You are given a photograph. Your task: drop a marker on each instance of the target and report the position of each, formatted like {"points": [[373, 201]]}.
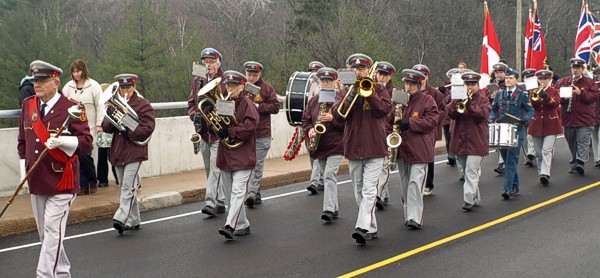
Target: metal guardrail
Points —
{"points": [[157, 106]]}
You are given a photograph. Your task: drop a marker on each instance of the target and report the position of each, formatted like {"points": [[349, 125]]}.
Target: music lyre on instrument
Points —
{"points": [[364, 87], [212, 93]]}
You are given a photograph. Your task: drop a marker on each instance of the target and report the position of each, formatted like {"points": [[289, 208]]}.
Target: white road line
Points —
{"points": [[183, 214]]}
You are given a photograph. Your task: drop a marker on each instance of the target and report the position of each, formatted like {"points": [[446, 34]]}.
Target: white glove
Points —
{"points": [[53, 142], [23, 171], [256, 104]]}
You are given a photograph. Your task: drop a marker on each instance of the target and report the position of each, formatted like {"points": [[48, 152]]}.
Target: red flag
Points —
{"points": [[528, 41], [490, 49], [538, 46]]}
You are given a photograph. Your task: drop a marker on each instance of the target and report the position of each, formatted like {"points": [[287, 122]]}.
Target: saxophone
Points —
{"points": [[394, 140], [313, 143]]}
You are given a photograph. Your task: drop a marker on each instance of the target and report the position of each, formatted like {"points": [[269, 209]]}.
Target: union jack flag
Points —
{"points": [[585, 31], [538, 46], [595, 40]]}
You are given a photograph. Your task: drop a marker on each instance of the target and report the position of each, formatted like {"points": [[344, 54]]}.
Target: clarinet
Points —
{"points": [[571, 99]]}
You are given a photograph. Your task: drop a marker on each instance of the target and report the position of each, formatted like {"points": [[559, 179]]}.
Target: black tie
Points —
{"points": [[43, 110]]}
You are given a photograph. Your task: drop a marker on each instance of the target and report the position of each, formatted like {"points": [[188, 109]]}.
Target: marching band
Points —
{"points": [[339, 112]]}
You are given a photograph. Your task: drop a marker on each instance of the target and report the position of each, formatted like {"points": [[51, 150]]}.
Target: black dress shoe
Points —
{"points": [[118, 226], [313, 189], [209, 210], [250, 200], [544, 180], [372, 236], [242, 232], [360, 235], [505, 195], [385, 201], [529, 161], [467, 207], [321, 187], [580, 170], [220, 209], [257, 199], [413, 224], [379, 204], [227, 232], [451, 161], [500, 170], [327, 216], [597, 164], [514, 192], [462, 178], [129, 228], [335, 214]]}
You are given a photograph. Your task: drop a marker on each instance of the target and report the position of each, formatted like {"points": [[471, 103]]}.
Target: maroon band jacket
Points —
{"points": [[330, 141], [471, 128], [546, 120], [364, 128], [197, 84], [583, 106], [440, 102], [418, 141], [122, 149], [47, 175], [244, 157], [267, 105]]}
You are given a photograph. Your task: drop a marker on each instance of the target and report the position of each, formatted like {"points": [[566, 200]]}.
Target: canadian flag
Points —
{"points": [[490, 49]]}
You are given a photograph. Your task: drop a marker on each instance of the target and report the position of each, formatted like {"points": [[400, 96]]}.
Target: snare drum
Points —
{"points": [[502, 135], [301, 86]]}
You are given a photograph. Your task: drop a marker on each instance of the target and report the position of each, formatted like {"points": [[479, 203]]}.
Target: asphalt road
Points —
{"points": [[290, 240]]}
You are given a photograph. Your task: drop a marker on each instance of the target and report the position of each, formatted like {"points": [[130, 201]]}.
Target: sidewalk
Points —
{"points": [[157, 192]]}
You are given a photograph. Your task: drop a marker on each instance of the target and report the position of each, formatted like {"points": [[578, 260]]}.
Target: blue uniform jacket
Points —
{"points": [[516, 104]]}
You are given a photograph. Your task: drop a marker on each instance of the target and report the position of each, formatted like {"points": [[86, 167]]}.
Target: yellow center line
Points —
{"points": [[467, 232]]}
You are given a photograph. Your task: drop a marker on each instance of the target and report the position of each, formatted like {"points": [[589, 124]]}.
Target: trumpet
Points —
{"points": [[535, 96], [364, 86], [212, 94], [461, 106], [319, 127], [394, 140]]}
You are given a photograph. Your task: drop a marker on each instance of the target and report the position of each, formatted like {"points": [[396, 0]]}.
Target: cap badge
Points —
{"points": [[230, 77], [357, 62], [327, 73], [384, 67]]}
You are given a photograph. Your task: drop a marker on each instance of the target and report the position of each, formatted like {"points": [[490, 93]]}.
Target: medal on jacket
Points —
{"points": [[34, 117], [366, 105], [258, 98]]}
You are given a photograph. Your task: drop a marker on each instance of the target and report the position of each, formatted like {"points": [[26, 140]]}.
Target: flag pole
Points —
{"points": [[519, 34]]}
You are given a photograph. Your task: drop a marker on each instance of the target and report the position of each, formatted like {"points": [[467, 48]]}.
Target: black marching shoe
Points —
{"points": [[118, 226], [372, 236], [360, 235], [129, 228], [544, 180], [220, 208], [451, 161], [209, 210], [379, 204], [385, 201], [250, 200], [242, 232], [500, 170], [580, 170], [257, 199], [335, 214], [327, 216], [597, 164], [514, 192], [227, 232], [467, 207], [313, 189], [505, 195], [413, 224], [321, 187], [529, 160]]}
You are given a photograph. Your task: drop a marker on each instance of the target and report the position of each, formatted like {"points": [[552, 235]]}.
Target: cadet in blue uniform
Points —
{"points": [[514, 101]]}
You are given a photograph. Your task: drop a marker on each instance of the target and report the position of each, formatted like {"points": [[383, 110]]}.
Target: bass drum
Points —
{"points": [[301, 86]]}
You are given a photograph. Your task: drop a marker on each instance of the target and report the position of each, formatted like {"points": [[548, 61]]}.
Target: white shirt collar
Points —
{"points": [[50, 103]]}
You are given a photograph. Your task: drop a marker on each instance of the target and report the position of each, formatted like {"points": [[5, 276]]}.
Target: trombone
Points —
{"points": [[461, 106], [364, 86]]}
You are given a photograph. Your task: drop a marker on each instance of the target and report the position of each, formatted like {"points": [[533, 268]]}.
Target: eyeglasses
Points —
{"points": [[209, 61]]}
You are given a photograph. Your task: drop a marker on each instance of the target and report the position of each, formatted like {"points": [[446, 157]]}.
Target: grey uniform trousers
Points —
{"points": [[316, 176], [262, 148], [472, 167], [331, 165], [128, 212], [214, 195], [51, 213], [544, 150], [595, 143], [579, 140], [236, 185], [412, 183], [365, 178], [384, 178]]}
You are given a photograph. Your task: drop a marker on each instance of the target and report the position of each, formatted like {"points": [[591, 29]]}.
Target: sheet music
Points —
{"points": [[327, 95], [400, 96], [459, 92], [566, 92], [531, 83]]}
